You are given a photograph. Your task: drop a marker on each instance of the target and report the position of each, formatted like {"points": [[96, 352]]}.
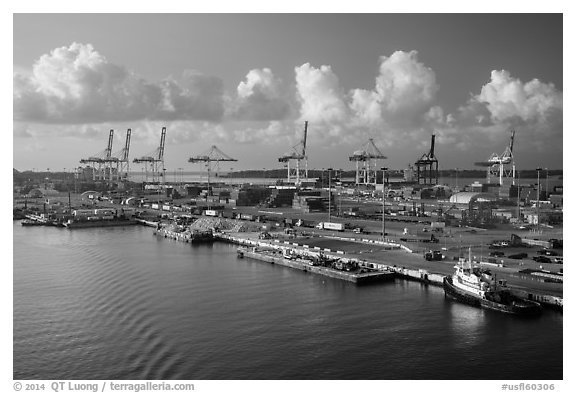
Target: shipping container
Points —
{"points": [[211, 213], [104, 212], [333, 226], [83, 212]]}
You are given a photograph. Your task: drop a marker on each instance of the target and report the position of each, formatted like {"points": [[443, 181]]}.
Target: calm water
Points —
{"points": [[121, 304]]}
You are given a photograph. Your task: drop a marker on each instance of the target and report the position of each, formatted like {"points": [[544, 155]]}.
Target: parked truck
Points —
{"points": [[433, 255], [333, 226]]}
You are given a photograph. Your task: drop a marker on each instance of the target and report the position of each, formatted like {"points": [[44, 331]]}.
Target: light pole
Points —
{"points": [[329, 195], [75, 180], [384, 169], [538, 202], [519, 190], [546, 183], [457, 180]]}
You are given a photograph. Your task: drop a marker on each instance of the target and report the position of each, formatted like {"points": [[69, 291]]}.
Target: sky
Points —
{"points": [[247, 83]]}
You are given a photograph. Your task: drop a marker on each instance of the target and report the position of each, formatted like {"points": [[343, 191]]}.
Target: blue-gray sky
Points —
{"points": [[246, 82]]}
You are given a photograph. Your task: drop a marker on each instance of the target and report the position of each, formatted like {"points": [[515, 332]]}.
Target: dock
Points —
{"points": [[388, 272], [184, 236]]}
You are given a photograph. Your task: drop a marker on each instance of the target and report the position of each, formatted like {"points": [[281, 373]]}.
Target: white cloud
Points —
{"points": [[404, 92], [75, 91], [76, 84], [193, 97], [258, 81], [507, 98], [260, 98], [320, 95]]}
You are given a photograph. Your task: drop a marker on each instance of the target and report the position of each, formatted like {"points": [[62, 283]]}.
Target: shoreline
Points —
{"points": [[424, 276]]}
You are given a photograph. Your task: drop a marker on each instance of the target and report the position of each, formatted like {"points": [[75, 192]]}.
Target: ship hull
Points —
{"points": [[515, 306], [98, 224], [457, 294]]}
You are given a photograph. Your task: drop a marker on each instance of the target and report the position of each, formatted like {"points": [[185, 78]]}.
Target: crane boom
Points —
{"points": [[127, 145], [109, 148], [512, 140], [162, 140], [305, 137]]}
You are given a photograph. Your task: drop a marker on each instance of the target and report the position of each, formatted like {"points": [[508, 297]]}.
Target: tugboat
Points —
{"points": [[478, 288]]}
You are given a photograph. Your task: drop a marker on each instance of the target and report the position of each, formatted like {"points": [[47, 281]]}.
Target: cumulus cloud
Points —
{"points": [[507, 98], [75, 91], [402, 100], [404, 92], [194, 97], [320, 95], [76, 84], [260, 98], [533, 108]]}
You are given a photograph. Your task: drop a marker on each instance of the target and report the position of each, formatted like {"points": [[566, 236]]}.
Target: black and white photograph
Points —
{"points": [[287, 196]]}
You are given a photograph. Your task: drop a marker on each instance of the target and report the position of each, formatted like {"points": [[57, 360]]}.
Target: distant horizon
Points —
{"points": [[172, 171]]}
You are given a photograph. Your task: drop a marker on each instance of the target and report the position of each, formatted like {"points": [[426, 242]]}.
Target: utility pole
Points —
{"points": [[538, 202], [457, 190], [384, 169], [329, 195], [519, 190], [546, 183]]}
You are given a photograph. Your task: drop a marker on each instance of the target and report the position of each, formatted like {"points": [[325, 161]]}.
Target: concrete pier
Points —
{"points": [[424, 276]]}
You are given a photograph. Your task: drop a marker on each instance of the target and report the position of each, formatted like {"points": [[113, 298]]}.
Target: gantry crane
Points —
{"points": [[212, 155], [367, 163], [100, 162], [427, 166], [154, 161], [298, 154], [501, 166], [121, 159]]}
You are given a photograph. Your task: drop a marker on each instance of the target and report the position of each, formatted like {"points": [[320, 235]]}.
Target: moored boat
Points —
{"points": [[83, 223], [29, 222], [480, 289]]}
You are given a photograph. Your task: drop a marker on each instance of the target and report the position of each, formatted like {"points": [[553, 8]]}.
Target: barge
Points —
{"points": [[79, 223], [357, 276]]}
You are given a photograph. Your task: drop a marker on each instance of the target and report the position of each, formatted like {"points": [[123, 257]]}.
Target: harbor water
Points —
{"points": [[119, 303]]}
